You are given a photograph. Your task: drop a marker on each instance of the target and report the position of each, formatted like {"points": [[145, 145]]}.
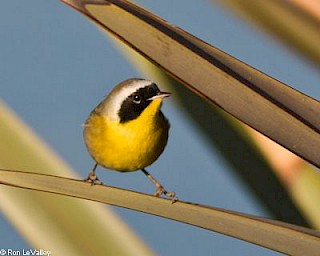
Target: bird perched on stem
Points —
{"points": [[127, 130]]}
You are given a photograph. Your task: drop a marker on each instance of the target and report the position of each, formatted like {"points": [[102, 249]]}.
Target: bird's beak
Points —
{"points": [[160, 95]]}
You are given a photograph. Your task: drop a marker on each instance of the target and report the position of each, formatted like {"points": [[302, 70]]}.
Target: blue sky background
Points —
{"points": [[56, 66]]}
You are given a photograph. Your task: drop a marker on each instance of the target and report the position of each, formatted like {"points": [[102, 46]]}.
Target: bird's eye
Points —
{"points": [[137, 99]]}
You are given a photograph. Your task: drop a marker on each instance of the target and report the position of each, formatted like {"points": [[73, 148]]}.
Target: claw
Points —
{"points": [[92, 177], [161, 191]]}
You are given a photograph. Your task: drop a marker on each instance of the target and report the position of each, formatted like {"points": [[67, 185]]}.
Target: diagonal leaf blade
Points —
{"points": [[274, 109]]}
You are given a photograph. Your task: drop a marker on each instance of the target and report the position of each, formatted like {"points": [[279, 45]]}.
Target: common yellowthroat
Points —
{"points": [[127, 130]]}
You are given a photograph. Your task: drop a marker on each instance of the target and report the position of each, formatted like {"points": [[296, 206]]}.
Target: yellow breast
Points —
{"points": [[127, 146]]}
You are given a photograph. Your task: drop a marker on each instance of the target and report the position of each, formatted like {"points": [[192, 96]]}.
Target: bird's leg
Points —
{"points": [[92, 177], [160, 189]]}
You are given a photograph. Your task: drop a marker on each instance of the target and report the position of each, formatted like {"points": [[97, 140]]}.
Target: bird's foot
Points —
{"points": [[161, 191], [93, 179]]}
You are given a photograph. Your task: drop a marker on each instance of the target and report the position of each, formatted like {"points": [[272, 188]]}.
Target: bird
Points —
{"points": [[127, 130]]}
